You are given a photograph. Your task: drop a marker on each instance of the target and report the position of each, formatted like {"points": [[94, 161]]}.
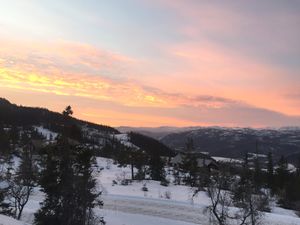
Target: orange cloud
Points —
{"points": [[77, 85], [54, 69], [67, 68], [207, 85]]}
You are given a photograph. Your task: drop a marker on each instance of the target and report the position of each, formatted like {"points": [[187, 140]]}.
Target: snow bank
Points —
{"points": [[5, 220]]}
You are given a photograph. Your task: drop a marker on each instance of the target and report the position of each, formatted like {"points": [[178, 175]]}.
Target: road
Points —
{"points": [[155, 207]]}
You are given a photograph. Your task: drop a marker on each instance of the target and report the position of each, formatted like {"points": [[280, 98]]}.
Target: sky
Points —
{"points": [[155, 62]]}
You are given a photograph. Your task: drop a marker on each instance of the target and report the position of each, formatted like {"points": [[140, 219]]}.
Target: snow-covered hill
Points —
{"points": [[160, 205]]}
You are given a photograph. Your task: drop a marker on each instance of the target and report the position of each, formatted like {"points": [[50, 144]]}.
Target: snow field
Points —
{"points": [[129, 205]]}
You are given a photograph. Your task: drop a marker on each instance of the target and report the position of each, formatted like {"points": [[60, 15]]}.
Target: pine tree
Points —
{"points": [[4, 143], [156, 167], [69, 186], [49, 181], [282, 173], [246, 160], [86, 187], [24, 138], [189, 164], [245, 179], [270, 171], [68, 111], [257, 170], [176, 174], [245, 172], [14, 135]]}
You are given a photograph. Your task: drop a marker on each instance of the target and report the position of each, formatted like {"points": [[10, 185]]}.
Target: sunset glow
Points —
{"points": [[155, 62]]}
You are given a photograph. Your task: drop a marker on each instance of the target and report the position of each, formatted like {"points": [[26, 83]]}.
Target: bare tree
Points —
{"points": [[22, 182], [251, 205], [220, 199], [19, 195], [245, 210]]}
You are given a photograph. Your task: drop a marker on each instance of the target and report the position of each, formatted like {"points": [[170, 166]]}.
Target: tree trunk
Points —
{"points": [[132, 174]]}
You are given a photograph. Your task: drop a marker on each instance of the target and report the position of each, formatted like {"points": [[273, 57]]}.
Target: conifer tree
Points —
{"points": [[69, 187], [4, 143], [270, 171], [68, 184], [282, 173], [189, 164], [68, 111], [257, 176], [156, 167]]}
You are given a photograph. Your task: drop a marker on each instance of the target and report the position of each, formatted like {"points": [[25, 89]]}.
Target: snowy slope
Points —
{"points": [[181, 206], [45, 132], [129, 205], [125, 140], [5, 220]]}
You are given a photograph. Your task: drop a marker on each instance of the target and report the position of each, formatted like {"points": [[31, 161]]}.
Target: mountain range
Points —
{"points": [[217, 141], [229, 142]]}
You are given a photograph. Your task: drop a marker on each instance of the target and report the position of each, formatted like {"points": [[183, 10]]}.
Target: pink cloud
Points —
{"points": [[217, 84]]}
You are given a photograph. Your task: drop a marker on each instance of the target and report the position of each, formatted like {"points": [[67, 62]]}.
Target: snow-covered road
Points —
{"points": [[177, 211], [157, 208], [130, 210]]}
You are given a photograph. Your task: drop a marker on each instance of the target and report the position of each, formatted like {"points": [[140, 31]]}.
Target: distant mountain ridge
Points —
{"points": [[218, 141], [236, 142], [155, 132], [13, 114], [228, 142]]}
